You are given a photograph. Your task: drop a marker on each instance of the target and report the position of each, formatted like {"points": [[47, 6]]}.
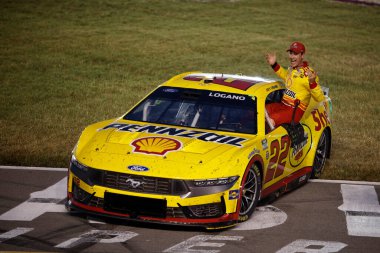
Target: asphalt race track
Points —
{"points": [[322, 216]]}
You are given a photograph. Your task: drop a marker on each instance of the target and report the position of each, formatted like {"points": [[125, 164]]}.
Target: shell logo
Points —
{"points": [[155, 145]]}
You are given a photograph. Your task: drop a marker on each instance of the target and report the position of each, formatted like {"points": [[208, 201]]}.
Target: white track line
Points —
{"points": [[343, 182], [311, 180], [31, 168]]}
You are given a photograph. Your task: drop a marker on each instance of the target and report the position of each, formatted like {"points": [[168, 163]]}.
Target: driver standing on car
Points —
{"points": [[301, 83]]}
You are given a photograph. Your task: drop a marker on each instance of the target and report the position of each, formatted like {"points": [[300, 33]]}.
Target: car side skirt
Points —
{"points": [[290, 182]]}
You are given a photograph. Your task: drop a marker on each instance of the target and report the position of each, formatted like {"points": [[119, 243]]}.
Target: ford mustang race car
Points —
{"points": [[198, 151]]}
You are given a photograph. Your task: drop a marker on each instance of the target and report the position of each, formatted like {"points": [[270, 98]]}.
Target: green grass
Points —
{"points": [[66, 64]]}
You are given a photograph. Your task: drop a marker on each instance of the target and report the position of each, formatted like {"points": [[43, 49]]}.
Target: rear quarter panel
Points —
{"points": [[318, 117]]}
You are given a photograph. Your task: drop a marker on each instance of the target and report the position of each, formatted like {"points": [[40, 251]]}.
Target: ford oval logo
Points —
{"points": [[137, 168]]}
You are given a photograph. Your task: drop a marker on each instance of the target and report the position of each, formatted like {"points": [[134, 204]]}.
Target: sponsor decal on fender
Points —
{"points": [[265, 144], [233, 194], [255, 151], [76, 180], [155, 145]]}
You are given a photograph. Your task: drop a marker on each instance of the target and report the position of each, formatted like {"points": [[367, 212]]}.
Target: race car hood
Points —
{"points": [[161, 151]]}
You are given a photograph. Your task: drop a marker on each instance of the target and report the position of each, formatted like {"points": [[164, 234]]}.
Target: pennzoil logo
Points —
{"points": [[180, 132], [155, 145]]}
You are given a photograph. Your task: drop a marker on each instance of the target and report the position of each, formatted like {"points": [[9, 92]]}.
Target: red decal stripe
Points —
{"points": [[237, 84], [285, 181], [193, 78], [224, 218]]}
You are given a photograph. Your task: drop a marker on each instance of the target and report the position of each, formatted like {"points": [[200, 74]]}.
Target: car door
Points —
{"points": [[278, 148], [279, 165], [283, 158]]}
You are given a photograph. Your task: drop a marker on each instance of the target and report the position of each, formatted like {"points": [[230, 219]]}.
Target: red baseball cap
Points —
{"points": [[297, 47]]}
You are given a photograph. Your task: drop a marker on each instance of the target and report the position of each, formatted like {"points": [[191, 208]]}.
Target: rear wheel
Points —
{"points": [[251, 187], [320, 155]]}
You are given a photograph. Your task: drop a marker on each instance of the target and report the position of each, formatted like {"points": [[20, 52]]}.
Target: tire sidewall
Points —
{"points": [[317, 172], [257, 173]]}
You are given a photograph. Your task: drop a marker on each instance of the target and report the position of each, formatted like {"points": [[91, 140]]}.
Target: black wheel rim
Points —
{"points": [[320, 155], [249, 192]]}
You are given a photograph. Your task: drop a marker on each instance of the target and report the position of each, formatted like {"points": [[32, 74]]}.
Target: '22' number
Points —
{"points": [[279, 152]]}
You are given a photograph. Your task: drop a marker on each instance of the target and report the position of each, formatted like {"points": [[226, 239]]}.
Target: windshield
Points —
{"points": [[198, 109]]}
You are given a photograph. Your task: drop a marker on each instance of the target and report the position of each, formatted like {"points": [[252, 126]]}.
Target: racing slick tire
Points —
{"points": [[250, 192], [320, 155]]}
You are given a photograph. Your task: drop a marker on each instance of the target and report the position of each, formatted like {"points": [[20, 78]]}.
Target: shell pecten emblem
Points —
{"points": [[155, 145]]}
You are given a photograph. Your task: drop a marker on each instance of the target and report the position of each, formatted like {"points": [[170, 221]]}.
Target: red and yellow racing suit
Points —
{"points": [[298, 91]]}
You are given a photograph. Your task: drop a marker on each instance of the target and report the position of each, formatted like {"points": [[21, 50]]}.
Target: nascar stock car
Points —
{"points": [[198, 150]]}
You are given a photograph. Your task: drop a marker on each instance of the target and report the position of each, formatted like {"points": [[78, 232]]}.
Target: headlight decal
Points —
{"points": [[233, 194], [209, 186], [84, 173], [215, 182]]}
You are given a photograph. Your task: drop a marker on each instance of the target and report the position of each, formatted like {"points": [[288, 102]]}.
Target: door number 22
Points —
{"points": [[278, 153]]}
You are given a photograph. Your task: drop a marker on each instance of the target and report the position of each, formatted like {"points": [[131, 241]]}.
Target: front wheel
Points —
{"points": [[320, 155], [250, 193]]}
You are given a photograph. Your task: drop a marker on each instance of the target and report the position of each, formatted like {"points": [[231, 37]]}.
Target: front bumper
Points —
{"points": [[211, 211]]}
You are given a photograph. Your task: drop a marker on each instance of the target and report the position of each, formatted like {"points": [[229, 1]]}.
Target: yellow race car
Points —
{"points": [[198, 151]]}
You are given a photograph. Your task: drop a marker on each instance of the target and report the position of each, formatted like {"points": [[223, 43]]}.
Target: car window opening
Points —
{"points": [[198, 109]]}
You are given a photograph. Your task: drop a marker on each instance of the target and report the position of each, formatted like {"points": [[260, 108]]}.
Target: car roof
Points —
{"points": [[249, 85]]}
